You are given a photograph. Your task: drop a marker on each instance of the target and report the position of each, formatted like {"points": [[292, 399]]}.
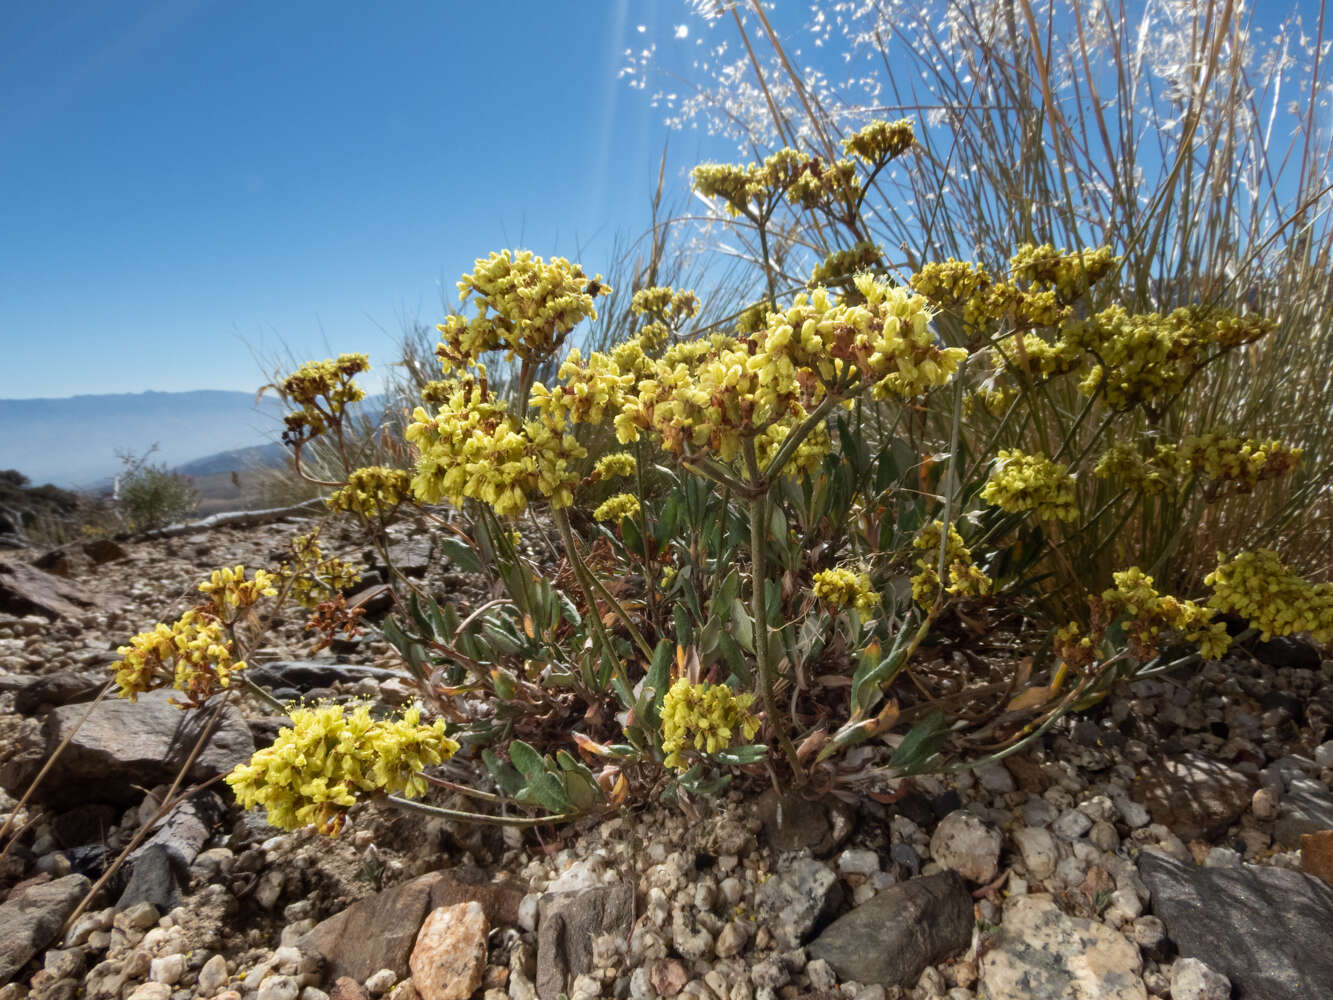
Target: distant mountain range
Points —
{"points": [[73, 442]]}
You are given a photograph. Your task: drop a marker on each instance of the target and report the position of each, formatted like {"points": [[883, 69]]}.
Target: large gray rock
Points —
{"points": [[892, 937], [962, 843], [127, 746], [306, 674], [159, 868], [1193, 796], [27, 590], [1040, 952], [798, 900], [1268, 930], [64, 687], [568, 922], [30, 922], [1307, 807]]}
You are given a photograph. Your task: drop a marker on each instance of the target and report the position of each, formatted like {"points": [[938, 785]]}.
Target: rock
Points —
{"points": [[303, 675], [1317, 855], [279, 988], [568, 923], [1040, 952], [964, 844], [125, 746], [159, 869], [668, 976], [793, 823], [347, 988], [1039, 851], [65, 687], [1268, 930], [212, 977], [892, 937], [797, 901], [1287, 651], [381, 982], [1071, 824], [1192, 980], [449, 957], [1195, 797], [161, 991], [31, 920], [378, 932], [27, 590], [167, 969], [1307, 807]]}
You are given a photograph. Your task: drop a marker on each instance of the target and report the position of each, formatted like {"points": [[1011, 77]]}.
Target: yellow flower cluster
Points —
{"points": [[843, 588], [474, 448], [805, 180], [667, 310], [193, 655], [1241, 462], [1044, 282], [1148, 357], [615, 466], [1070, 273], [880, 141], [317, 767], [617, 508], [315, 579], [588, 390], [525, 306], [965, 578], [372, 491], [230, 591], [1033, 355], [1257, 586], [1073, 647], [704, 717], [1022, 482], [713, 394], [322, 390], [840, 265], [1148, 474], [994, 399], [1148, 614]]}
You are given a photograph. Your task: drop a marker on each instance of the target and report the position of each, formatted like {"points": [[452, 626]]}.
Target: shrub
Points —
{"points": [[150, 497]]}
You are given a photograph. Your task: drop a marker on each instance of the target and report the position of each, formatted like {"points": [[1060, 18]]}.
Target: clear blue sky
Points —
{"points": [[181, 178]]}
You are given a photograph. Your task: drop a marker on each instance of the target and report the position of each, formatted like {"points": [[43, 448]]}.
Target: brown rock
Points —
{"points": [[1194, 797], [1317, 855], [1030, 775], [378, 932], [26, 590], [347, 988], [449, 958], [669, 976]]}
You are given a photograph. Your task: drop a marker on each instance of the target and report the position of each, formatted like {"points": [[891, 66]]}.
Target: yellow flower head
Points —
{"points": [[704, 717], [525, 305], [1022, 482], [844, 588], [322, 390], [319, 766], [618, 507], [193, 654], [372, 491], [965, 579], [1258, 586], [230, 591]]}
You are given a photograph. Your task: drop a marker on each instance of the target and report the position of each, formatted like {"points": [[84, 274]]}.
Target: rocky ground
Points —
{"points": [[1176, 843]]}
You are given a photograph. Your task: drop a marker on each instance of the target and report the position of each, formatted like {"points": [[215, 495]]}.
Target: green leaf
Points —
{"points": [[460, 554], [921, 743], [526, 759], [740, 756], [549, 792], [582, 790], [629, 531], [505, 774], [742, 625]]}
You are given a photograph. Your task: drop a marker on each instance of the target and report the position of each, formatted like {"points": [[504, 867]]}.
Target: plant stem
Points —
{"points": [[759, 607]]}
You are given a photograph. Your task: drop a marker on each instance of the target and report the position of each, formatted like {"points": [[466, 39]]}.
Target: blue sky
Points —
{"points": [[183, 181]]}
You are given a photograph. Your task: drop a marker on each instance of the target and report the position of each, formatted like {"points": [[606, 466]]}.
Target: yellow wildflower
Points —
{"points": [[704, 717]]}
